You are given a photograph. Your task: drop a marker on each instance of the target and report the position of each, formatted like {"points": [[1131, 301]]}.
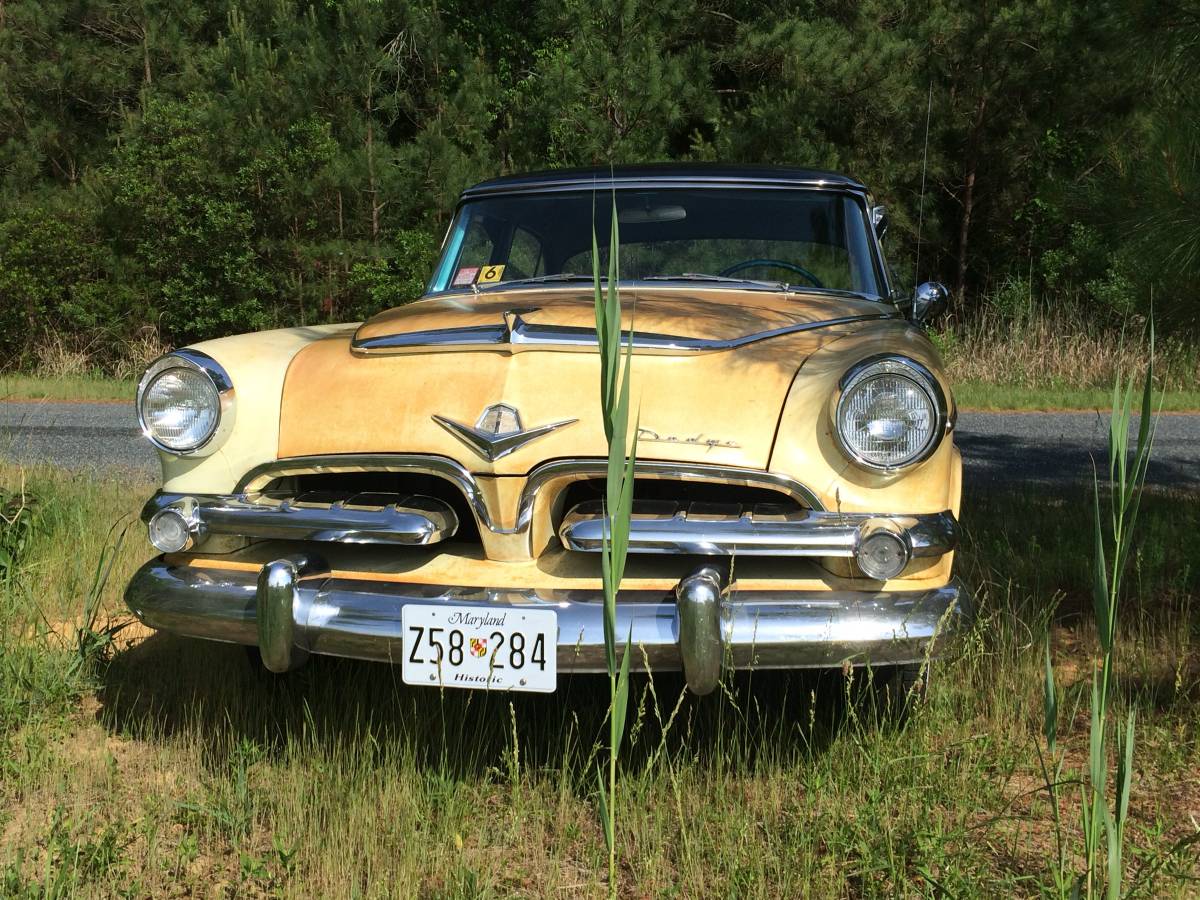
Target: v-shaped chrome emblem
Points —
{"points": [[498, 432]]}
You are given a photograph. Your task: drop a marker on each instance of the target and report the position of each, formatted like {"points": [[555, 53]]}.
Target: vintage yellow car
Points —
{"points": [[425, 488]]}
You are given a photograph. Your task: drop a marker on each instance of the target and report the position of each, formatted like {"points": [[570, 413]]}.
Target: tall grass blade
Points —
{"points": [[1116, 823], [1100, 596], [621, 699], [606, 819], [1126, 479], [1049, 702], [618, 504]]}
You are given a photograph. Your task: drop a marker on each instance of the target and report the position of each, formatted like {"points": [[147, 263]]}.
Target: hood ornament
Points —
{"points": [[498, 432]]}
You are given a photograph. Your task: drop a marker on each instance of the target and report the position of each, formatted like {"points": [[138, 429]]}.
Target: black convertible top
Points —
{"points": [[660, 175]]}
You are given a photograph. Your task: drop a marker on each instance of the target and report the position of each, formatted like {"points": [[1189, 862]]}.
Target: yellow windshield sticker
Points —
{"points": [[490, 274]]}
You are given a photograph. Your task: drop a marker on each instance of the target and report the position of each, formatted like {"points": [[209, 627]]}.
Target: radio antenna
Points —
{"points": [[921, 202]]}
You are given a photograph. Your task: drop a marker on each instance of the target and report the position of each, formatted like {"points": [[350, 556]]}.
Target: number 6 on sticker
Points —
{"points": [[490, 274]]}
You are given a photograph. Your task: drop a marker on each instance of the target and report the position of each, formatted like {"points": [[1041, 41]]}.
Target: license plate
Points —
{"points": [[485, 649]]}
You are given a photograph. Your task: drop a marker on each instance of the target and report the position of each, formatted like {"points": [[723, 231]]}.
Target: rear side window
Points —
{"points": [[525, 256]]}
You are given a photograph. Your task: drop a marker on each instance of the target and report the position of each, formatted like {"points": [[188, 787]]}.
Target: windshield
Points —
{"points": [[803, 238]]}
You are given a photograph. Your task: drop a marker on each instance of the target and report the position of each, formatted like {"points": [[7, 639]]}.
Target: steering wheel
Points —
{"points": [[771, 263]]}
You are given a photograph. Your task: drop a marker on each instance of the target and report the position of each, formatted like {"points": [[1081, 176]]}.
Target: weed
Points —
{"points": [[342, 782], [618, 506], [16, 529], [93, 641]]}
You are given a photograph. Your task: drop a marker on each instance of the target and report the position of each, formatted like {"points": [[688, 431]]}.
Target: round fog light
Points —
{"points": [[169, 531], [882, 555]]}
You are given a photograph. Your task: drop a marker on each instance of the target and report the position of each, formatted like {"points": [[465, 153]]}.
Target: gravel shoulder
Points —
{"points": [[76, 435]]}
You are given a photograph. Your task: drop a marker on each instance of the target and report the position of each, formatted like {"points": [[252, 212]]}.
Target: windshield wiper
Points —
{"points": [[539, 279], [725, 279], [685, 276]]}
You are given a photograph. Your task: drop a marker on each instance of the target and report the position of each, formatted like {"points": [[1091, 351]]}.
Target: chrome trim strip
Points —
{"points": [[410, 521], [760, 629], [800, 534], [580, 469], [442, 467], [681, 179], [516, 334], [206, 365]]}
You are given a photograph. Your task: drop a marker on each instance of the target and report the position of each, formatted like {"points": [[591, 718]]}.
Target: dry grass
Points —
{"points": [[59, 357], [85, 367], [96, 354], [1060, 349], [137, 353]]}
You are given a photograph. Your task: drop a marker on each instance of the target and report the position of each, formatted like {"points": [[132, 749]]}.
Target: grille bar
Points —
{"points": [[361, 518], [760, 530]]}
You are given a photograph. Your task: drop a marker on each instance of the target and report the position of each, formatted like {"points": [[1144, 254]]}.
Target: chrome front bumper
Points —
{"points": [[293, 607]]}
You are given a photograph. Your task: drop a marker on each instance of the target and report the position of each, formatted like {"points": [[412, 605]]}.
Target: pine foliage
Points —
{"points": [[215, 167]]}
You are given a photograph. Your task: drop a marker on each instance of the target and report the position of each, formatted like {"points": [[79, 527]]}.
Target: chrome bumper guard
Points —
{"points": [[293, 607]]}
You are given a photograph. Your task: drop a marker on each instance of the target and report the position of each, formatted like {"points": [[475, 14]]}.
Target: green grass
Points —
{"points": [[176, 768], [980, 395], [75, 387]]}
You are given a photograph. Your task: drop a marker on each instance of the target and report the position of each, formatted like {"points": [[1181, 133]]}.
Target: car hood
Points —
{"points": [[712, 369]]}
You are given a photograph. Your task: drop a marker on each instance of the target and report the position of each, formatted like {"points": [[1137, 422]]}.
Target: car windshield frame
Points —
{"points": [[872, 262]]}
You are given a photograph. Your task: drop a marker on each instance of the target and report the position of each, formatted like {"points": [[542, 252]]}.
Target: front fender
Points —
{"points": [[256, 364], [807, 448]]}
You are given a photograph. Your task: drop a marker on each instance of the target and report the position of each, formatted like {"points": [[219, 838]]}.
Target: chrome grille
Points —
{"points": [[357, 518]]}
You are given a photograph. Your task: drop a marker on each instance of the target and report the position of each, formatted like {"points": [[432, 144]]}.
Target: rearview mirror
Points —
{"points": [[637, 215], [929, 301], [879, 221]]}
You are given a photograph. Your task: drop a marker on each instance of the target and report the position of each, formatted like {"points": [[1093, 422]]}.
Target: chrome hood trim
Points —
{"points": [[515, 334]]}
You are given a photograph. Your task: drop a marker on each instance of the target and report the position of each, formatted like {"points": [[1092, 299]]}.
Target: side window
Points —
{"points": [[524, 256]]}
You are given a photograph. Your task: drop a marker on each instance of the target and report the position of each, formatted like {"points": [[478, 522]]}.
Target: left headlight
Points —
{"points": [[890, 413], [185, 403]]}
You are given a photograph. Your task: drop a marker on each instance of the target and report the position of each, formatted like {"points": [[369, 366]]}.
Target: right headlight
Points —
{"points": [[185, 402], [891, 413]]}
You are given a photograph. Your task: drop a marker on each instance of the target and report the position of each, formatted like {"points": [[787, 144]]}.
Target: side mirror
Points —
{"points": [[879, 221], [929, 301]]}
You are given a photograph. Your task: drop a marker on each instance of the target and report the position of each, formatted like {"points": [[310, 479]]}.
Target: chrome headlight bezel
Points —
{"points": [[202, 363], [917, 374]]}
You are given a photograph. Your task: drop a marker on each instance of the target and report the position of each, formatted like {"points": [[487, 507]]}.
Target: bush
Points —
{"points": [[380, 282], [191, 231], [53, 275]]}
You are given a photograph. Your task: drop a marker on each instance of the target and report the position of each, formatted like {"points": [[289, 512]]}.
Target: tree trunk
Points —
{"points": [[968, 201], [146, 55], [372, 188], [964, 228]]}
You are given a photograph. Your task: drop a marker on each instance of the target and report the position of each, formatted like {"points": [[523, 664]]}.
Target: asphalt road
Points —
{"points": [[997, 447]]}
